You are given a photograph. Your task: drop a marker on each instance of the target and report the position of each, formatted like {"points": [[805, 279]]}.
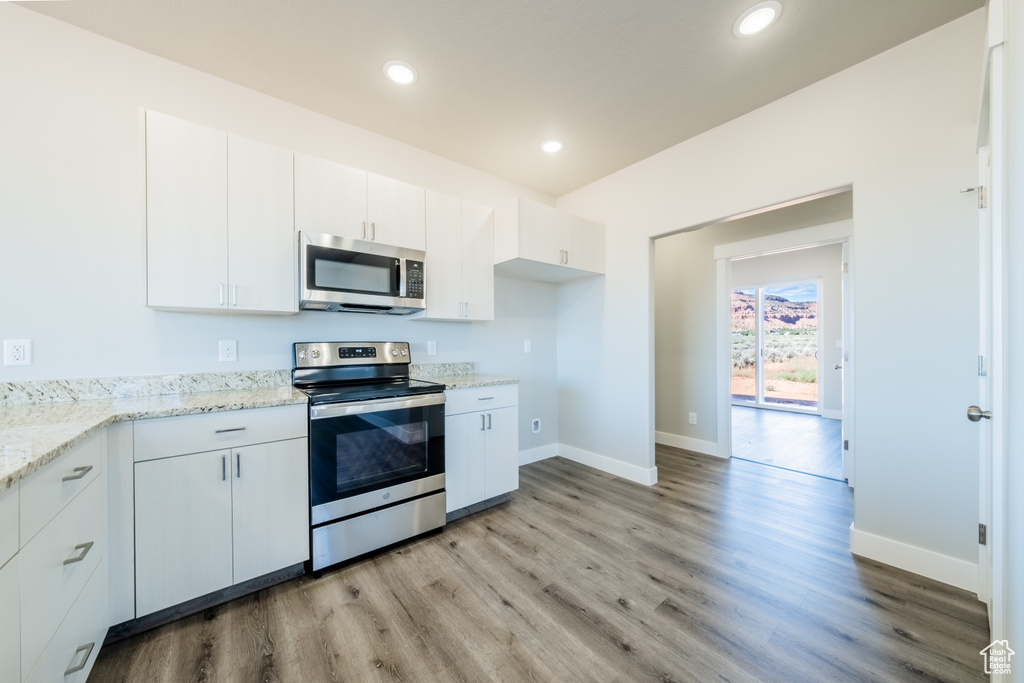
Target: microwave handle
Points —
{"points": [[377, 406]]}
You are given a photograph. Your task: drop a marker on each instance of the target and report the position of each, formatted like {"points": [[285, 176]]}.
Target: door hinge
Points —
{"points": [[981, 366], [846, 267], [846, 444], [982, 535], [982, 199]]}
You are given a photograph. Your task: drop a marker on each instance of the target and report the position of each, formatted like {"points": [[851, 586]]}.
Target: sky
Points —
{"points": [[801, 291]]}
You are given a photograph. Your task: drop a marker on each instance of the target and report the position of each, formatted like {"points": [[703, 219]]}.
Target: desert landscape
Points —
{"points": [[790, 349]]}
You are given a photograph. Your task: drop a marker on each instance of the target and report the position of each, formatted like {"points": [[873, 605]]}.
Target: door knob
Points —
{"points": [[974, 414]]}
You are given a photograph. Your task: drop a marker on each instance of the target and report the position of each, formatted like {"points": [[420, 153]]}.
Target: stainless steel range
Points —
{"points": [[376, 447]]}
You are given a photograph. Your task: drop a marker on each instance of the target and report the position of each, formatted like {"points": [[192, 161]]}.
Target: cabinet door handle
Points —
{"points": [[238, 465], [488, 420], [467, 309], [566, 257], [483, 422], [74, 668], [80, 472], [82, 549], [364, 230], [373, 232], [223, 468], [220, 293], [234, 295]]}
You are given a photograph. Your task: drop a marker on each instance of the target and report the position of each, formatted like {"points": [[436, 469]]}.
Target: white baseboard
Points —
{"points": [[959, 573], [548, 450], [832, 414], [687, 443], [647, 476]]}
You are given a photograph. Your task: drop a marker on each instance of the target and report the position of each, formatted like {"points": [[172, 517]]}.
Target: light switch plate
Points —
{"points": [[527, 346], [431, 348]]}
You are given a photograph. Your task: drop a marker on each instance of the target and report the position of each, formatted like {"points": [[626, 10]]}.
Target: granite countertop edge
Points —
{"points": [[34, 435], [471, 381]]}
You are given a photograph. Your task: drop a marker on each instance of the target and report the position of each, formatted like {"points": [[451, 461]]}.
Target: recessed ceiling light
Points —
{"points": [[400, 72], [757, 18], [552, 146]]}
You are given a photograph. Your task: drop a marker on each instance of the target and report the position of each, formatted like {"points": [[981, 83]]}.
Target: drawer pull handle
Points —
{"points": [[75, 668], [85, 548], [80, 472], [233, 429], [486, 398]]}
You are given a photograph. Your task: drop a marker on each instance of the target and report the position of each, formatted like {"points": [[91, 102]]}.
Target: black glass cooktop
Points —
{"points": [[367, 391]]}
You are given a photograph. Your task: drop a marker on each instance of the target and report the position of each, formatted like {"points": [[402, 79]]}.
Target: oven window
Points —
{"points": [[352, 454], [353, 276]]}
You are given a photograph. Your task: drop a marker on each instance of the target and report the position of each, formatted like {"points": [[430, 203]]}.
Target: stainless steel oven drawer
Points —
{"points": [[352, 537]]}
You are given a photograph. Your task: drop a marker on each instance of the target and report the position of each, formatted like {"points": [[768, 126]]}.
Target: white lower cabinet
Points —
{"points": [[481, 444], [10, 622], [206, 521]]}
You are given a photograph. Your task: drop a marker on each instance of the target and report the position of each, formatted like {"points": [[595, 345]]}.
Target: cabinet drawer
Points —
{"points": [[71, 653], [8, 524], [49, 490], [52, 576], [168, 436], [480, 398]]}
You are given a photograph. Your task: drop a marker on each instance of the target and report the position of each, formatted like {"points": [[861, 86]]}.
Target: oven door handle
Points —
{"points": [[375, 406]]}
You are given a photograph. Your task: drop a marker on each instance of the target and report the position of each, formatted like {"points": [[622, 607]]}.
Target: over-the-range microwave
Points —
{"points": [[342, 274]]}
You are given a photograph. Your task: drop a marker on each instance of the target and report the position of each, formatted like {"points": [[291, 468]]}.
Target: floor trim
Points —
{"points": [[648, 476], [687, 443], [548, 450], [944, 568]]}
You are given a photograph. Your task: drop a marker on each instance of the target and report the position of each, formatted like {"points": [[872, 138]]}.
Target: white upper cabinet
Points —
{"points": [[538, 242], [330, 198], [340, 200], [460, 255], [261, 236], [395, 211], [186, 214], [219, 221]]}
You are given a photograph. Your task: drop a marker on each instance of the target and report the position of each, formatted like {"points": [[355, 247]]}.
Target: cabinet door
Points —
{"points": [[10, 622], [543, 233], [464, 453], [330, 198], [444, 256], [586, 245], [270, 503], [396, 212], [186, 214], [182, 529], [478, 261], [261, 228], [502, 469]]}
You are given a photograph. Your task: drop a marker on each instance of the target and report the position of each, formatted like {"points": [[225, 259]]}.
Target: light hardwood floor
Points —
{"points": [[793, 441], [725, 570]]}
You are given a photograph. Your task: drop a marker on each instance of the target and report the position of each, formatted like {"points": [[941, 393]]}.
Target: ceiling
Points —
{"points": [[616, 80]]}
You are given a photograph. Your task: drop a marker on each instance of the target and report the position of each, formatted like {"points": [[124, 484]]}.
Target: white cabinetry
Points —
{"points": [[10, 599], [219, 220], [481, 444], [235, 510], [340, 200], [460, 256], [538, 242]]}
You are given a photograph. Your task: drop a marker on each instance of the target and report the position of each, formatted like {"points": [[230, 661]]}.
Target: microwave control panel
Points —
{"points": [[414, 279]]}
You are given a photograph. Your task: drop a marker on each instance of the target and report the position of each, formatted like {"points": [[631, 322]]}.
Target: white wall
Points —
{"points": [[824, 263], [900, 129], [685, 316], [72, 223]]}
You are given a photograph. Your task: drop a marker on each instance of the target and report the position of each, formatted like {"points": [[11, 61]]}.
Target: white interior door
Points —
{"points": [[846, 371]]}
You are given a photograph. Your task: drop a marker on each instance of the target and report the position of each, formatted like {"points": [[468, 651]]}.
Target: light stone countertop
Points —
{"points": [[457, 375], [34, 434]]}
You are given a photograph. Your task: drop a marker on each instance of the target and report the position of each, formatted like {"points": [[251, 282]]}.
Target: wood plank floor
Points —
{"points": [[725, 570], [792, 441]]}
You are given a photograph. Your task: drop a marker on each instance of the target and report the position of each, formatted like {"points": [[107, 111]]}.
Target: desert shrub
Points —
{"points": [[802, 375]]}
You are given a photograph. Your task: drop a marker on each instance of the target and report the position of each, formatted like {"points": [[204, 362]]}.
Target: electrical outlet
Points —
{"points": [[527, 346], [535, 425], [17, 352], [693, 418], [228, 351], [431, 348]]}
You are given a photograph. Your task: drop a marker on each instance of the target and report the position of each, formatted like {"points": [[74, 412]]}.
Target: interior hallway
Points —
{"points": [[793, 441]]}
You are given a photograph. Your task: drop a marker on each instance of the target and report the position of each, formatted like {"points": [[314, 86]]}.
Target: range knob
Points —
{"points": [[405, 352], [394, 352], [314, 354], [302, 354]]}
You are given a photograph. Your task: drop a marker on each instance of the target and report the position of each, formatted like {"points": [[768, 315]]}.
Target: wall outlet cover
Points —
{"points": [[535, 425], [17, 352], [228, 351], [693, 418], [431, 348]]}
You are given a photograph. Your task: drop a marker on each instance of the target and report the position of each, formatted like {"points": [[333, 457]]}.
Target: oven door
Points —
{"points": [[367, 454]]}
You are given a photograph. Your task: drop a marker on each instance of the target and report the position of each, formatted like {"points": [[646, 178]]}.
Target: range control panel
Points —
{"points": [[329, 354]]}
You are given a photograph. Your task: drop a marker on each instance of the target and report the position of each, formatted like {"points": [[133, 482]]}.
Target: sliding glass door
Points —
{"points": [[776, 346]]}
